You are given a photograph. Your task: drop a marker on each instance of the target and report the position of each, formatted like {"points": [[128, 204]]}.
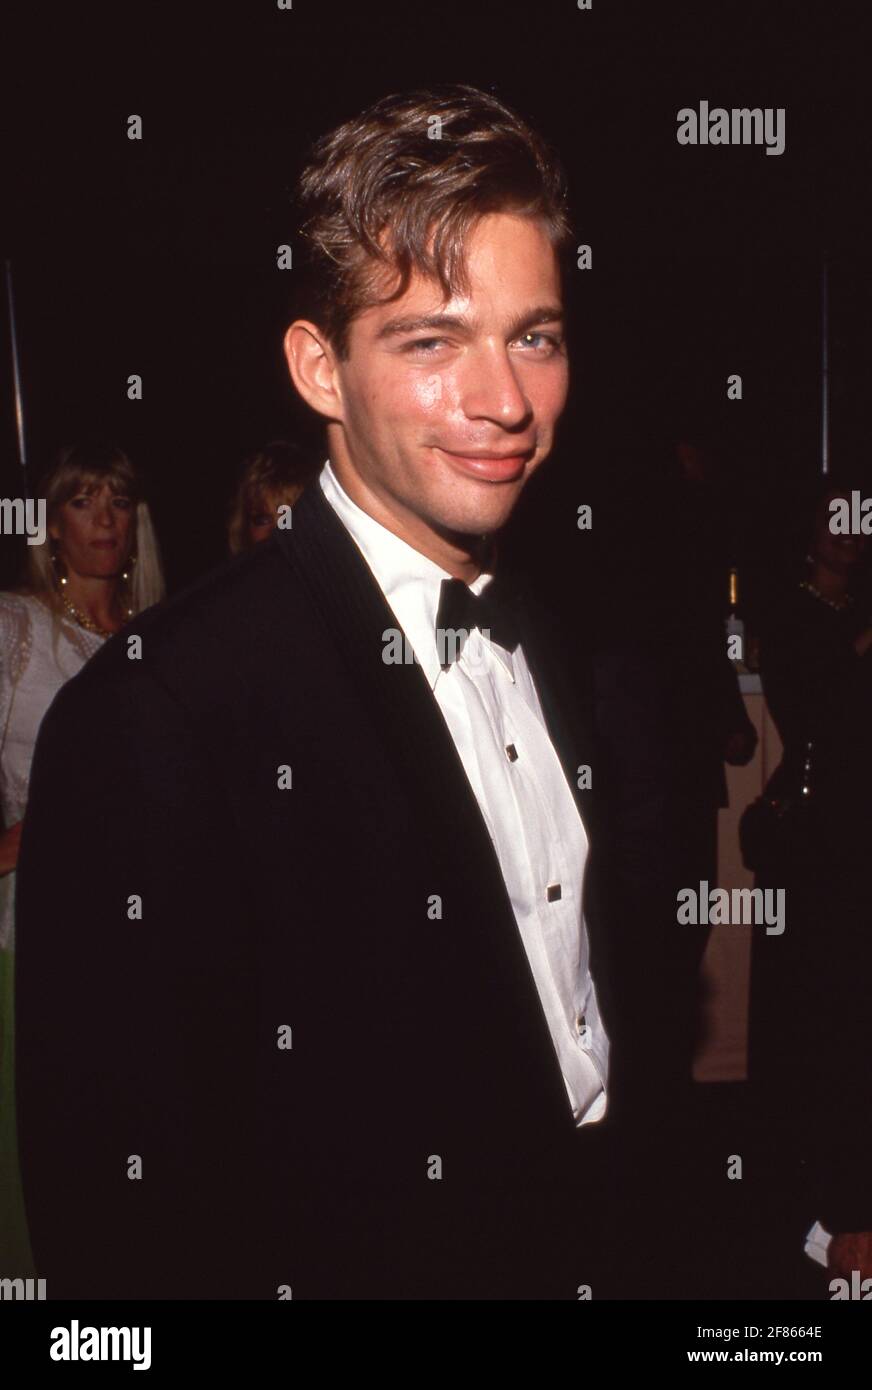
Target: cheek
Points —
{"points": [[427, 393], [548, 391], [74, 533], [419, 396], [436, 398], [413, 396], [387, 404]]}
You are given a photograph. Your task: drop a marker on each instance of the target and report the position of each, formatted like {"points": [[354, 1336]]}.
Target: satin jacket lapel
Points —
{"points": [[397, 696]]}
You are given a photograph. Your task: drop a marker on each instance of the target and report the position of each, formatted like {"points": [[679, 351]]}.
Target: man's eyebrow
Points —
{"points": [[542, 313]]}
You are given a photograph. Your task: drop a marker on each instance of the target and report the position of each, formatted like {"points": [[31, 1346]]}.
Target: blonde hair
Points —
{"points": [[78, 469], [272, 476]]}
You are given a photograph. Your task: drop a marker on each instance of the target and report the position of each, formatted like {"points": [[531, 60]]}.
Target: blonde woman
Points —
{"points": [[98, 567], [268, 479]]}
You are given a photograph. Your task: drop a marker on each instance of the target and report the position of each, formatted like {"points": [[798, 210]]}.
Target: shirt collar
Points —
{"points": [[409, 580]]}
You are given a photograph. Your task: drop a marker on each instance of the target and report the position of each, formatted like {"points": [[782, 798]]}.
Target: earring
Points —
{"points": [[60, 579], [127, 578]]}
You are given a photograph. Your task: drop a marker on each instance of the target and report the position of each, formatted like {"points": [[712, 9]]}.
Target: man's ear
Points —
{"points": [[311, 363]]}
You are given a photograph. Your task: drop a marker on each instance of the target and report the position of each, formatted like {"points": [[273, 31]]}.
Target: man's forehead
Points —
{"points": [[506, 283]]}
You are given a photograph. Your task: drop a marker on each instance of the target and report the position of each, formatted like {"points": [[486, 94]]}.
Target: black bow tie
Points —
{"points": [[493, 612]]}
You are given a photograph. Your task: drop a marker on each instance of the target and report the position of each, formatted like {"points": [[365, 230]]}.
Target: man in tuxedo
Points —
{"points": [[309, 1004]]}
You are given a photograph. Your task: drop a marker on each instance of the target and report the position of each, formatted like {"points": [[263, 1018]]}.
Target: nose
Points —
{"points": [[105, 513], [491, 389]]}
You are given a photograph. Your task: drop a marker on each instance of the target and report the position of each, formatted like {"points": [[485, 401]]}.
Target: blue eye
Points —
{"points": [[548, 339]]}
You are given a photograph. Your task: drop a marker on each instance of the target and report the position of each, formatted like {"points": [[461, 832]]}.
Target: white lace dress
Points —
{"points": [[32, 671]]}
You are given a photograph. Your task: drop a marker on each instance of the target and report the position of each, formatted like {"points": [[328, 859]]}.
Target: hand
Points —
{"points": [[739, 748], [848, 1251], [9, 842]]}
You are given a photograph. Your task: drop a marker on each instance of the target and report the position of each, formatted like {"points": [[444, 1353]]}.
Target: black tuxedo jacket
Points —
{"points": [[286, 1037]]}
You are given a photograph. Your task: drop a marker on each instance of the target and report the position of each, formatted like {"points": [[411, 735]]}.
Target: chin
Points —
{"points": [[476, 527], [484, 508]]}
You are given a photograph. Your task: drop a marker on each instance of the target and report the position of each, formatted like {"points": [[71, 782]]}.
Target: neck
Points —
{"points": [[98, 600], [828, 582], [463, 556]]}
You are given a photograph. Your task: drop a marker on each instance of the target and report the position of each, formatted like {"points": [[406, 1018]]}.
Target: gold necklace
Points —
{"points": [[838, 604], [82, 619]]}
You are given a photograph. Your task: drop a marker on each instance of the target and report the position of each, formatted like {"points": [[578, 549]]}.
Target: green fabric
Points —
{"points": [[16, 1260]]}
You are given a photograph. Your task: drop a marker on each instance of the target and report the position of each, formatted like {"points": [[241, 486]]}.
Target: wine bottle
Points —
{"points": [[735, 625]]}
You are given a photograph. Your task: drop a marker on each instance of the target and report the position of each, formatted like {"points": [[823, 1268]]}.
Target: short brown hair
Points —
{"points": [[381, 192]]}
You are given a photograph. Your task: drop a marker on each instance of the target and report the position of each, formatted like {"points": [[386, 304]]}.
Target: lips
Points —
{"points": [[491, 468], [104, 545]]}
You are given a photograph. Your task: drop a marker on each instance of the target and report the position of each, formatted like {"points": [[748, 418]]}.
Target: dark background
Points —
{"points": [[158, 257]]}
